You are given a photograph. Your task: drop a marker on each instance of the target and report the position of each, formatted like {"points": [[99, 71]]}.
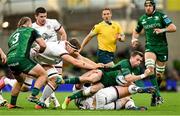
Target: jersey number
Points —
{"points": [[16, 38]]}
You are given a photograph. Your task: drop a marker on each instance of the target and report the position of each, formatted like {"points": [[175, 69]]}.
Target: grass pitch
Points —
{"points": [[170, 107]]}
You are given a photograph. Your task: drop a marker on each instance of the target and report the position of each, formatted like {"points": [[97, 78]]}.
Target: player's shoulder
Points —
{"points": [[161, 14], [142, 17], [35, 25], [99, 24], [29, 29], [51, 20], [124, 62], [115, 22]]}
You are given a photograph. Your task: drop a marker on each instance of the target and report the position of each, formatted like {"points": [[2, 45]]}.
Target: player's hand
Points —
{"points": [[33, 52], [134, 43], [148, 72], [120, 37], [3, 58], [100, 65], [158, 31]]}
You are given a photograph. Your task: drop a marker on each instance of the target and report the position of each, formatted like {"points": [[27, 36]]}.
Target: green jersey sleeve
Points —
{"points": [[165, 19], [139, 26]]}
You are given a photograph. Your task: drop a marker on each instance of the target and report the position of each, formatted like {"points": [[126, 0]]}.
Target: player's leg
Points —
{"points": [[2, 82], [54, 100], [15, 91], [89, 77], [150, 59], [27, 84], [133, 89], [82, 93], [107, 99], [10, 82], [51, 86], [160, 69], [130, 105], [3, 102], [38, 72]]}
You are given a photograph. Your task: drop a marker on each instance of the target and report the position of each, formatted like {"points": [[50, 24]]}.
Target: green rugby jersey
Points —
{"points": [[117, 74], [149, 23], [126, 68], [20, 42]]}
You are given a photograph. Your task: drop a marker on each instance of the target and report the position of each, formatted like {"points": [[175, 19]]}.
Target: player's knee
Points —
{"points": [[99, 73], [88, 91], [129, 103], [150, 64], [25, 88], [160, 71]]}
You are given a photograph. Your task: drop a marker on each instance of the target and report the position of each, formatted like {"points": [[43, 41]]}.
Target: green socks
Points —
{"points": [[13, 100], [74, 80], [35, 91], [76, 95], [154, 82]]}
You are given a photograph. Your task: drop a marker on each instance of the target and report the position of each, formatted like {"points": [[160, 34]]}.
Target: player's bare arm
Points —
{"points": [[86, 40], [62, 34], [134, 40], [42, 44], [132, 78], [3, 56], [79, 63], [170, 28]]}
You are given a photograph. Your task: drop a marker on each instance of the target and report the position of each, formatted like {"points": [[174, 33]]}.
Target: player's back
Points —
{"points": [[20, 42]]}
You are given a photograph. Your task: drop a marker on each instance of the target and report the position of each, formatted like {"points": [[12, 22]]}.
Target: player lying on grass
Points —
{"points": [[53, 54], [123, 73], [107, 99]]}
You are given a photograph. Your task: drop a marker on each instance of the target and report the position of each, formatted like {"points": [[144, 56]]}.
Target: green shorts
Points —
{"points": [[22, 64], [160, 51], [109, 78]]}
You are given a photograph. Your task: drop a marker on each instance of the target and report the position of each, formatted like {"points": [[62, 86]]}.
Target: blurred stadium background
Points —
{"points": [[78, 17]]}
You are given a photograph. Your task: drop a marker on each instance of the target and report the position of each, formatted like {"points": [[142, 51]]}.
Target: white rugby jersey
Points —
{"points": [[52, 54], [48, 30]]}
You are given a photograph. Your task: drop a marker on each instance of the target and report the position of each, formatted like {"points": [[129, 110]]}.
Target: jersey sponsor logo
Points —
{"points": [[49, 26], [14, 64], [46, 36], [152, 26], [167, 20]]}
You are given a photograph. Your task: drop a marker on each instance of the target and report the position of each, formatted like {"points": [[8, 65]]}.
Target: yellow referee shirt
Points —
{"points": [[107, 35]]}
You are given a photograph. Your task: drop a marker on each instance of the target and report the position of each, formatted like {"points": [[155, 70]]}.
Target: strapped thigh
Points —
{"points": [[149, 63]]}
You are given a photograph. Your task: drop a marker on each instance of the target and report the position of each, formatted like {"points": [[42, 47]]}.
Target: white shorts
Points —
{"points": [[105, 96]]}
